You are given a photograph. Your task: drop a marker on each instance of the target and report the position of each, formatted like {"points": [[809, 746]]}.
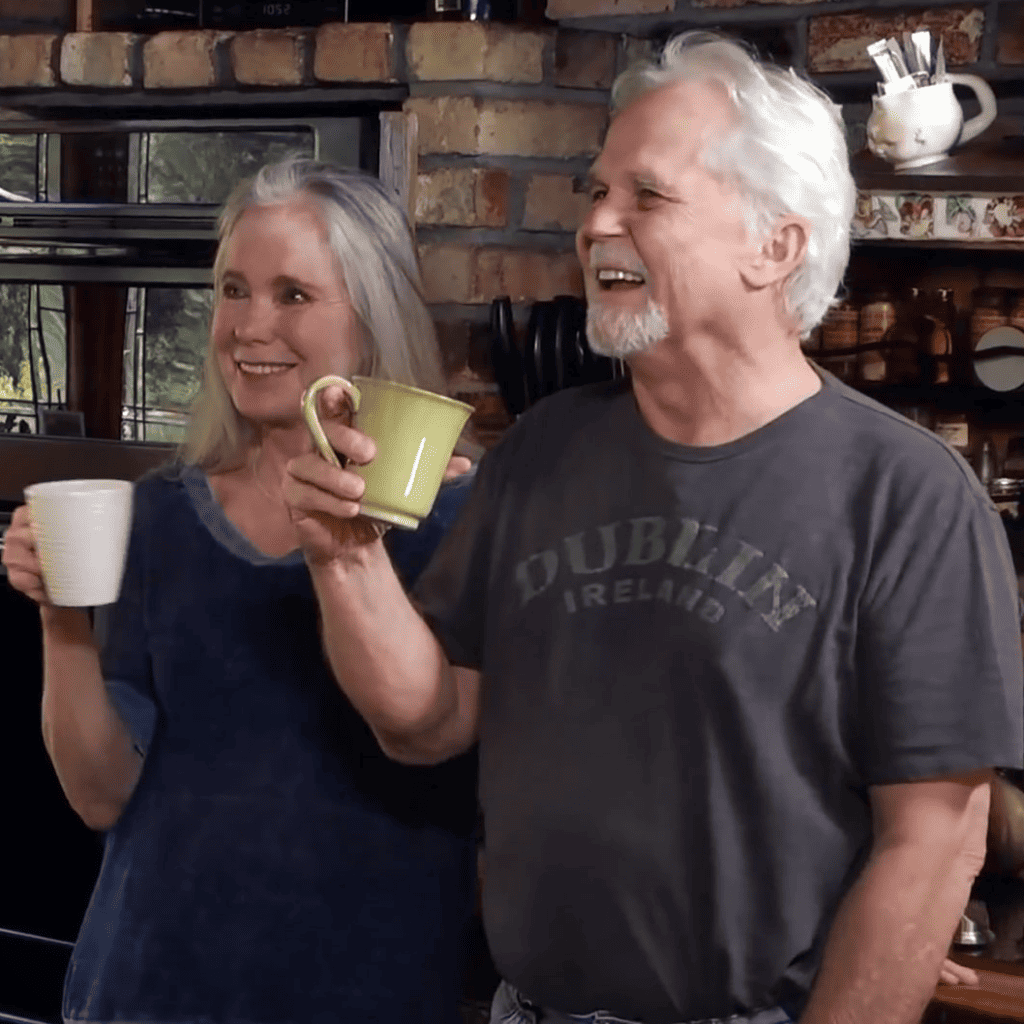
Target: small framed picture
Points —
{"points": [[61, 423]]}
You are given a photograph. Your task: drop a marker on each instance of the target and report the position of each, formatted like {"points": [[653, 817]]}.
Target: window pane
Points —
{"points": [[18, 164], [165, 344], [203, 167]]}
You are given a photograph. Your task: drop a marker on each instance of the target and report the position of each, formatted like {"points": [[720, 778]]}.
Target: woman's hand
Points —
{"points": [[24, 572], [953, 973]]}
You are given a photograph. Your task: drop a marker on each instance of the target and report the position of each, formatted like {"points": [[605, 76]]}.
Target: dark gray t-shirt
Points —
{"points": [[695, 661]]}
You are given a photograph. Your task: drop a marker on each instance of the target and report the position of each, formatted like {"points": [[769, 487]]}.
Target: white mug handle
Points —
{"points": [[987, 99], [309, 412]]}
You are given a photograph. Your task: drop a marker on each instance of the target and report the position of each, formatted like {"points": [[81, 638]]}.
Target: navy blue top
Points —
{"points": [[272, 864]]}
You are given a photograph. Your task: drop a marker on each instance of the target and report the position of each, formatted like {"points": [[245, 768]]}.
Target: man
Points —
{"points": [[740, 646]]}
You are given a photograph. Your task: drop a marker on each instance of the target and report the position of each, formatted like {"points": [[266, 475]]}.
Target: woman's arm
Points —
{"points": [[90, 746]]}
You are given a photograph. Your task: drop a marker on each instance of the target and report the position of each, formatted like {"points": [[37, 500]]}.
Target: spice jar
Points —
{"points": [[941, 311], [839, 331], [1016, 315], [907, 337], [988, 310], [1006, 494], [877, 315], [953, 428]]}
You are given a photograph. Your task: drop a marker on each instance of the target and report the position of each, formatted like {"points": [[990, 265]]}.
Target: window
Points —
{"points": [[33, 354], [47, 244]]}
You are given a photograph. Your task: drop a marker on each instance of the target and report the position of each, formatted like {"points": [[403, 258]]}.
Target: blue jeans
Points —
{"points": [[511, 1007]]}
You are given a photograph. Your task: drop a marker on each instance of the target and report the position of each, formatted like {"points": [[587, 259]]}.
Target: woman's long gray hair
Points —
{"points": [[370, 238], [787, 154]]}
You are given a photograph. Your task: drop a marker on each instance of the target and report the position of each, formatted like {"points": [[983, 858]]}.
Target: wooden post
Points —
{"points": [[83, 15], [399, 159]]}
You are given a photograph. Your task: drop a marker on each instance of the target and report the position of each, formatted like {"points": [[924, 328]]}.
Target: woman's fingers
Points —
{"points": [[953, 973], [313, 486], [457, 465], [24, 573], [334, 418]]}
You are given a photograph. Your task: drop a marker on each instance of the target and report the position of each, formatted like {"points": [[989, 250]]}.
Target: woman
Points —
{"points": [[264, 861]]}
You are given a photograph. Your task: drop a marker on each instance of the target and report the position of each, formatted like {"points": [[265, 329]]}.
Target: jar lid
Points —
{"points": [[988, 295], [1006, 487], [1001, 373]]}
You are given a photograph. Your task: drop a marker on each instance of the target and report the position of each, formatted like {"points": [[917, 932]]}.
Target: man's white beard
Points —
{"points": [[619, 334]]}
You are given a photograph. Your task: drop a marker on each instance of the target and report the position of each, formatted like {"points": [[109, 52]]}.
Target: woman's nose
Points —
{"points": [[253, 319]]}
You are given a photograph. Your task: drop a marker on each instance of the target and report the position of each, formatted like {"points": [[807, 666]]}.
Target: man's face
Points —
{"points": [[662, 243]]}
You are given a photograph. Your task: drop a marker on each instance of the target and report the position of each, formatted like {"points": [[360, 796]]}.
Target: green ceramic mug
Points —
{"points": [[415, 432]]}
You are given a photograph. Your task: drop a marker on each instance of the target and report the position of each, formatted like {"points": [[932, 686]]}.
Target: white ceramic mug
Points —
{"points": [[920, 126], [81, 530]]}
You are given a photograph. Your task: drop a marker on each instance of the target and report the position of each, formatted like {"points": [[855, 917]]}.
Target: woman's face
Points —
{"points": [[283, 315]]}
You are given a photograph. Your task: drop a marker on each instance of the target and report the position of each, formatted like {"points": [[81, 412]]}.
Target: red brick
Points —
{"points": [[584, 60], [462, 197], [1011, 34], [553, 204], [479, 275], [838, 42], [28, 61], [464, 124], [180, 60], [268, 57], [473, 51], [100, 59], [357, 52]]}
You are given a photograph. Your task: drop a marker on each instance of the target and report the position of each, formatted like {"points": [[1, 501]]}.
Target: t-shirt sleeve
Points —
{"points": [[124, 653], [940, 673], [411, 551], [452, 592]]}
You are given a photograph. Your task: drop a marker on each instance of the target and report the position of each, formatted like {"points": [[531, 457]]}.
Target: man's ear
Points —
{"points": [[782, 252]]}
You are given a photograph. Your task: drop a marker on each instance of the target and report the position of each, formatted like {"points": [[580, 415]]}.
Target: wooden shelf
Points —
{"points": [[994, 162]]}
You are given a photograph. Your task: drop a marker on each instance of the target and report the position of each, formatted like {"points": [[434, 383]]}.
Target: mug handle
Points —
{"points": [[987, 99], [309, 413]]}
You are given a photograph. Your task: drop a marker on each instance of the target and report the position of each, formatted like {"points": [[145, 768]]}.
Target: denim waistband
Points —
{"points": [[510, 1006]]}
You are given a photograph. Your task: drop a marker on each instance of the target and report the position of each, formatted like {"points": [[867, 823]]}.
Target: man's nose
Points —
{"points": [[603, 220]]}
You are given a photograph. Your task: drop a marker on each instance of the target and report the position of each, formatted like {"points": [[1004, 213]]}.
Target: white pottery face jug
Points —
{"points": [[920, 126]]}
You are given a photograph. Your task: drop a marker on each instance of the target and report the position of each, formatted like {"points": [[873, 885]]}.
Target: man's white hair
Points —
{"points": [[786, 154]]}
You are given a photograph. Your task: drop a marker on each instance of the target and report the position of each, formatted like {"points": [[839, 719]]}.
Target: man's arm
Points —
{"points": [[385, 658], [893, 928]]}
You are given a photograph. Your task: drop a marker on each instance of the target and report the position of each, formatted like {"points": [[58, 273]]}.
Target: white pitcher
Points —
{"points": [[920, 126]]}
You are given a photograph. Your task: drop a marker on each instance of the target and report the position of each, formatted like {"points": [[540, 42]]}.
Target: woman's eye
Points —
{"points": [[291, 296], [230, 290], [597, 194]]}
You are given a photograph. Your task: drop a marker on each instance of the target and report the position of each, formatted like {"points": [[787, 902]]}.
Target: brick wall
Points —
{"points": [[510, 117]]}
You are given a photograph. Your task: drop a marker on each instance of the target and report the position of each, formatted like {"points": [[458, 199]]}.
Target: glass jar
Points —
{"points": [[942, 314], [989, 308], [839, 331], [877, 315], [1006, 494], [1016, 314], [953, 428]]}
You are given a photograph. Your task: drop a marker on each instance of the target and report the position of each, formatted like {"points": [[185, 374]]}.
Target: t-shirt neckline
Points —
{"points": [[212, 514], [765, 434]]}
